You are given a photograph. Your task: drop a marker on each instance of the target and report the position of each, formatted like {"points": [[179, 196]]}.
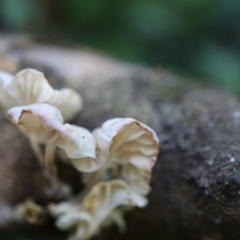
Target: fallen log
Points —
{"points": [[196, 180]]}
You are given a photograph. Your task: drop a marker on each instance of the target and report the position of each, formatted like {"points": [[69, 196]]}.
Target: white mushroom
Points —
{"points": [[40, 122], [87, 217], [43, 123], [117, 217], [67, 101], [130, 149], [29, 86], [80, 146], [30, 212], [5, 80]]}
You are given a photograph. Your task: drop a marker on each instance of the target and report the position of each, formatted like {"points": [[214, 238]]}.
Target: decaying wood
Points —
{"points": [[196, 180]]}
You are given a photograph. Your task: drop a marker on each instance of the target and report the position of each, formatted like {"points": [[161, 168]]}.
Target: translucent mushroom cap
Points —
{"points": [[40, 122], [130, 145], [43, 123], [80, 146], [5, 80], [29, 86], [88, 216]]}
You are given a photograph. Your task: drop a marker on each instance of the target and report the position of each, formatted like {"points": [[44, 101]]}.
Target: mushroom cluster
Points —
{"points": [[29, 86], [87, 216], [115, 160], [43, 123]]}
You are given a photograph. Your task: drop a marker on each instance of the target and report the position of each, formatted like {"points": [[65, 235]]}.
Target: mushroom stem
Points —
{"points": [[49, 158], [39, 154], [95, 177], [92, 181], [49, 163]]}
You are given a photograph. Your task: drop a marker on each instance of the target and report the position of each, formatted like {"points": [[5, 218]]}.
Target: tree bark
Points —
{"points": [[196, 180]]}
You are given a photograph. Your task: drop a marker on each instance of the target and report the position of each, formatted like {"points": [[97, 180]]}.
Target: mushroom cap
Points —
{"points": [[5, 80], [87, 217], [80, 146], [68, 101], [69, 214], [117, 217], [130, 146], [29, 86], [40, 122], [30, 212], [43, 123]]}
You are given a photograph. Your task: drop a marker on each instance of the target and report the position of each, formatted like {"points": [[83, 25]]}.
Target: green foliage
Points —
{"points": [[200, 37], [22, 15]]}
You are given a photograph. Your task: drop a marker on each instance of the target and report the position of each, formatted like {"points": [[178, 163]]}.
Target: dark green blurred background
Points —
{"points": [[197, 37]]}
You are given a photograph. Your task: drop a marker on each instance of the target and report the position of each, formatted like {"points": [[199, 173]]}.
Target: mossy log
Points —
{"points": [[196, 180]]}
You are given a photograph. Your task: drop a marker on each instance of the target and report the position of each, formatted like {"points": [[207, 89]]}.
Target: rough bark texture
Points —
{"points": [[196, 180]]}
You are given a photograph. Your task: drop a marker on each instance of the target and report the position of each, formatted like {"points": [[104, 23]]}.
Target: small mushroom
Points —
{"points": [[40, 123], [30, 212], [129, 149], [88, 216], [29, 86], [43, 123]]}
